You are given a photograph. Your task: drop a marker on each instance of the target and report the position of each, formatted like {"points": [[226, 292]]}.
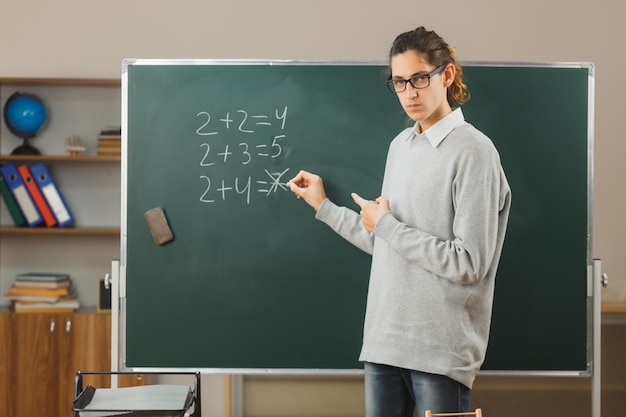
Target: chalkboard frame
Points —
{"points": [[586, 371]]}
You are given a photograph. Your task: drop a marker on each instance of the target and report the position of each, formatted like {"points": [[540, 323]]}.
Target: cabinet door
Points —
{"points": [[47, 350], [5, 368], [91, 350], [40, 347]]}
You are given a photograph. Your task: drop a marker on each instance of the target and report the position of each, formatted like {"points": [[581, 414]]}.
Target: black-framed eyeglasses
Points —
{"points": [[418, 81]]}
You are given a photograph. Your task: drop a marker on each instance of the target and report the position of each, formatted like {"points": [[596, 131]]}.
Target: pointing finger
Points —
{"points": [[358, 199]]}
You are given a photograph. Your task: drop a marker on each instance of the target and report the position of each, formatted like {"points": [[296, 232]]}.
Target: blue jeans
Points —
{"points": [[397, 392]]}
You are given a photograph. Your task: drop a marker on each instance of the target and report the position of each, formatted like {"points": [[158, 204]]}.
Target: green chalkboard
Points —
{"points": [[252, 281]]}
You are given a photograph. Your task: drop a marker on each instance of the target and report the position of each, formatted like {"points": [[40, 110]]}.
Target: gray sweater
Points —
{"points": [[435, 254]]}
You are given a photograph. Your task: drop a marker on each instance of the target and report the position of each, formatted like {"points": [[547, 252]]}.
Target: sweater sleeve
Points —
{"points": [[480, 205], [346, 223]]}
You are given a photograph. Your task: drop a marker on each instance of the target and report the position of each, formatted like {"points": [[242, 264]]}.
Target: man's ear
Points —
{"points": [[448, 75]]}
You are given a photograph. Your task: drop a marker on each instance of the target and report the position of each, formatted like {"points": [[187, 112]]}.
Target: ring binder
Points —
{"points": [[11, 203], [17, 187], [37, 197], [52, 194]]}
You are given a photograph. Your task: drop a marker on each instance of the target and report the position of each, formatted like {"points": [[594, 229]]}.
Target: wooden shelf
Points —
{"points": [[60, 158], [89, 82], [89, 183], [613, 308], [112, 231], [95, 231]]}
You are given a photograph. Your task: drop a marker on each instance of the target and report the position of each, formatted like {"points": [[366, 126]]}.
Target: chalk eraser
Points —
{"points": [[159, 228]]}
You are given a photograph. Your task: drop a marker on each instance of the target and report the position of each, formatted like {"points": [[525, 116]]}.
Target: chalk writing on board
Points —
{"points": [[245, 153], [243, 121], [266, 187], [217, 150]]}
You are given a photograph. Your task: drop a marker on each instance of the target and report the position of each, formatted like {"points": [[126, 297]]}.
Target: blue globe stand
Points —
{"points": [[25, 149], [24, 115]]}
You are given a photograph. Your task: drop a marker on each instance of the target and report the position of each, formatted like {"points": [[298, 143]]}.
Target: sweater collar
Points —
{"points": [[437, 132]]}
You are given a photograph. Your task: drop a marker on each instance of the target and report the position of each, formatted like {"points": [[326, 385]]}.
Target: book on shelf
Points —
{"points": [[31, 298], [43, 310], [109, 147], [42, 276], [112, 143], [52, 299], [64, 305], [36, 290], [44, 295], [55, 293], [43, 284], [111, 132]]}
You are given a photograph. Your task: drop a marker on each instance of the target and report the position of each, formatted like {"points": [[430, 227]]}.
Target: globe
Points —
{"points": [[24, 115]]}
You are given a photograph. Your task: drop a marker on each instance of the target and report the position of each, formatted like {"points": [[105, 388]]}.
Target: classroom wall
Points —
{"points": [[78, 38]]}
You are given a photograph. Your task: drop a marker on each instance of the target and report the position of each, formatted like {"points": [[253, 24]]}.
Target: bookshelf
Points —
{"points": [[59, 158], [18, 159], [48, 347], [60, 231], [89, 183]]}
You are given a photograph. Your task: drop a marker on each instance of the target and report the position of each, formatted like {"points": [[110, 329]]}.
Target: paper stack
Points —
{"points": [[110, 141], [162, 400], [42, 292]]}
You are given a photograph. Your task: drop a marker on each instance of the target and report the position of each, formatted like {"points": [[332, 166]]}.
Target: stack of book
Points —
{"points": [[32, 197], [42, 292], [110, 141]]}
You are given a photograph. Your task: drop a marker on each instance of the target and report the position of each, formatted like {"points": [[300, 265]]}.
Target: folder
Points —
{"points": [[11, 203], [52, 194], [36, 195], [19, 191]]}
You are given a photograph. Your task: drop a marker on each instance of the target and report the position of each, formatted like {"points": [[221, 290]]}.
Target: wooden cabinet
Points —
{"points": [[5, 363], [43, 353], [40, 352]]}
